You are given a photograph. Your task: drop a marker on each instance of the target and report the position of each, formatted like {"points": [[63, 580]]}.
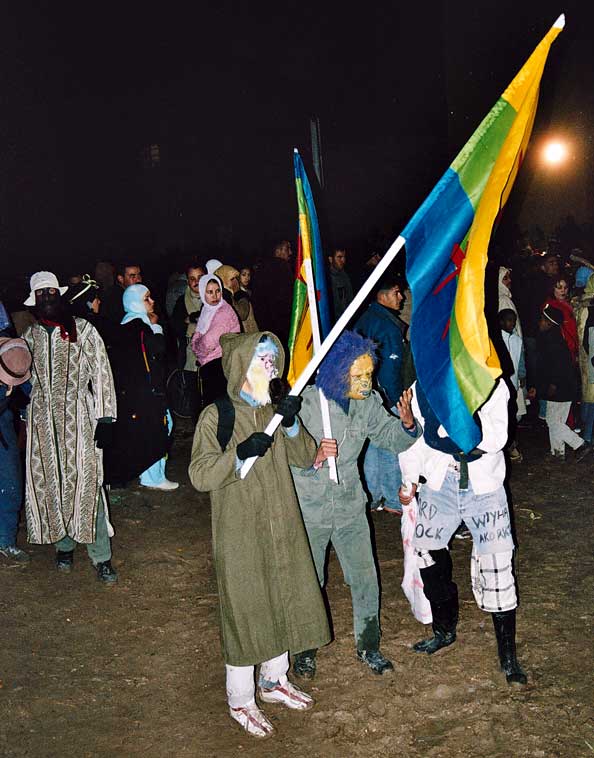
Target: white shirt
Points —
{"points": [[487, 473]]}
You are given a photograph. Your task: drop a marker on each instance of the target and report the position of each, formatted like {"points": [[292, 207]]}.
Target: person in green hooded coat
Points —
{"points": [[270, 599]]}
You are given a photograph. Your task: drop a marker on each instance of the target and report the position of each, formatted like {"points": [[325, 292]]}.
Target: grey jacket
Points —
{"points": [[323, 501]]}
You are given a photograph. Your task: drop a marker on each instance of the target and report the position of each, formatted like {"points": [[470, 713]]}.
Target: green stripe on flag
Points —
{"points": [[476, 160]]}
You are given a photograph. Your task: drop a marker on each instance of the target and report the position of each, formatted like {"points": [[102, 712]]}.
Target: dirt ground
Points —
{"points": [[136, 670]]}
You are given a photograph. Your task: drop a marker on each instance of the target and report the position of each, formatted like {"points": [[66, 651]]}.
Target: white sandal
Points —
{"points": [[252, 720]]}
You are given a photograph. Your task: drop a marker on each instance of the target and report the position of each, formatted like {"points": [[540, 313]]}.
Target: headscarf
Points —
{"points": [[208, 311], [226, 273], [135, 306], [212, 265], [503, 288]]}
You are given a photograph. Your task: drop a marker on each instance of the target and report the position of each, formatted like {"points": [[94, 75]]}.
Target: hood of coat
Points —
{"points": [[238, 351]]}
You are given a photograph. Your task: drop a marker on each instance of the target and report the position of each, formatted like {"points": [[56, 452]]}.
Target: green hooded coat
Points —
{"points": [[270, 599]]}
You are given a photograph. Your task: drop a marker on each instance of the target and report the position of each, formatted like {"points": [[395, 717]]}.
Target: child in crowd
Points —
{"points": [[515, 347]]}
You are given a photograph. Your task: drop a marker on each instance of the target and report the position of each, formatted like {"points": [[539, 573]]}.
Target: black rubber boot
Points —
{"points": [[505, 630], [442, 594], [445, 619], [304, 664], [368, 651]]}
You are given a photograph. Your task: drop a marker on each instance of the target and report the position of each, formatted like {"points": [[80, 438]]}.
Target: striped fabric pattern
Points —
{"points": [[446, 248]]}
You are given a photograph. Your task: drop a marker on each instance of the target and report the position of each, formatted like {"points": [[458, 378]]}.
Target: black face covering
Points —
{"points": [[49, 305]]}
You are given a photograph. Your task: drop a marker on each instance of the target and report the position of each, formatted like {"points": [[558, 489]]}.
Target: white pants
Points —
{"points": [[241, 688], [559, 432]]}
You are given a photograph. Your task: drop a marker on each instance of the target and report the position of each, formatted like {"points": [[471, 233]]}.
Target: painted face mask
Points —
{"points": [[261, 370], [48, 303], [360, 378]]}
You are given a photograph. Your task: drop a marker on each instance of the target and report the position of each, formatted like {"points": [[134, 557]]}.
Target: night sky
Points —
{"points": [[227, 92]]}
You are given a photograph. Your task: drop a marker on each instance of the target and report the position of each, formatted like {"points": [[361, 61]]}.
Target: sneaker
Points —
{"points": [[287, 694], [375, 660], [165, 485], [64, 561], [252, 720], [377, 505], [14, 553], [106, 573]]}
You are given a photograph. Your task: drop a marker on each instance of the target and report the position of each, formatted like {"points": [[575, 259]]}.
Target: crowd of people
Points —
{"points": [[83, 374]]}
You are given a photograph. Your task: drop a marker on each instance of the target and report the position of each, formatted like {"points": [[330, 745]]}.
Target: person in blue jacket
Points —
{"points": [[381, 323]]}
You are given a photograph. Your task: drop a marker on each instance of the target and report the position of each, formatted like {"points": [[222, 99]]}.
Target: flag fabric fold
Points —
{"points": [[309, 248], [446, 250]]}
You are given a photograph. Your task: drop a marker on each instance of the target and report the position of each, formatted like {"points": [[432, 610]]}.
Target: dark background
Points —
{"points": [[226, 91]]}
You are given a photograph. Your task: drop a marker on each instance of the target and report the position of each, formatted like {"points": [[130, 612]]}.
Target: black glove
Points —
{"points": [[104, 434], [288, 407], [256, 444]]}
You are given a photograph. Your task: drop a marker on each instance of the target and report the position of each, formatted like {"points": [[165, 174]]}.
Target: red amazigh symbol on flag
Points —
{"points": [[457, 257]]}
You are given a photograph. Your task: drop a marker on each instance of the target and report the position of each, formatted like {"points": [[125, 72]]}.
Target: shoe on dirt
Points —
{"points": [[304, 664], [165, 486], [106, 573], [433, 644], [14, 554], [378, 663], [252, 720], [286, 694]]}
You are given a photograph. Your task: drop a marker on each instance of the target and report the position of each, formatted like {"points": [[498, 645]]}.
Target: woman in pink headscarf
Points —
{"points": [[217, 317]]}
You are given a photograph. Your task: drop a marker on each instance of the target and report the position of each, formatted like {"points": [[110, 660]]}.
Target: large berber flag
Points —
{"points": [[446, 252], [309, 248]]}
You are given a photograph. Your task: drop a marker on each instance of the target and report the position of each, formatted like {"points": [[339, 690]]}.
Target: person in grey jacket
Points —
{"points": [[337, 512]]}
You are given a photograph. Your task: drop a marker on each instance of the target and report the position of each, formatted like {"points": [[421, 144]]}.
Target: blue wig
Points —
{"points": [[333, 376]]}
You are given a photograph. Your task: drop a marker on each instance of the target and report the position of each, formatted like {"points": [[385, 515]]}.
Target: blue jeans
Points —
{"points": [[11, 487], [440, 513], [382, 475]]}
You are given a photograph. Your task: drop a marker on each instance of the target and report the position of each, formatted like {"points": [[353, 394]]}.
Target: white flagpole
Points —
{"points": [[315, 332], [335, 332]]}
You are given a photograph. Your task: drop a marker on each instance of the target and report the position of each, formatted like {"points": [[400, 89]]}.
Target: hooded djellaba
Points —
{"points": [[138, 362], [270, 599]]}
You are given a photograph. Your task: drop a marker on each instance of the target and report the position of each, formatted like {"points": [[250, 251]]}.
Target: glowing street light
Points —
{"points": [[555, 152]]}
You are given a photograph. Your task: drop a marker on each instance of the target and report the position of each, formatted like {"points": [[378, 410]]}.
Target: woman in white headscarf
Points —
{"points": [[505, 296], [141, 435], [217, 317]]}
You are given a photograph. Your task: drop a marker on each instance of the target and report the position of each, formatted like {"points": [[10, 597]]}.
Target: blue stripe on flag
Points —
{"points": [[431, 235]]}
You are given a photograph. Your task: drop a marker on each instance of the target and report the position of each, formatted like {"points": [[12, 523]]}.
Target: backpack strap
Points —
{"points": [[226, 423]]}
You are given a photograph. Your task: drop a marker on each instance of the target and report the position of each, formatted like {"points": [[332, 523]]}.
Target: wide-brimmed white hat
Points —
{"points": [[15, 361], [40, 281]]}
